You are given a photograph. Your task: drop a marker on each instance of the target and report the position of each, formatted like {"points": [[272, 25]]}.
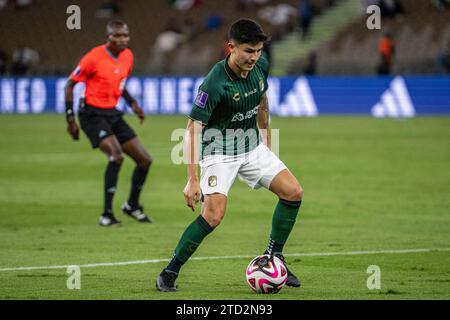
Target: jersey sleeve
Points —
{"points": [[131, 61], [208, 97], [84, 69]]}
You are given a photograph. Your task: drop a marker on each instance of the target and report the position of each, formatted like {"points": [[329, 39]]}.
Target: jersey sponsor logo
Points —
{"points": [[201, 99], [246, 94], [249, 114], [238, 117], [395, 102], [237, 97]]}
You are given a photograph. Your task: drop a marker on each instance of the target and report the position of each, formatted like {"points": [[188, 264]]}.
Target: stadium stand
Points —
{"points": [[42, 27], [324, 23], [419, 35], [347, 47]]}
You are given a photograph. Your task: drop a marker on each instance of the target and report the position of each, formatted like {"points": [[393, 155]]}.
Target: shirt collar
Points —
{"points": [[230, 73], [110, 54]]}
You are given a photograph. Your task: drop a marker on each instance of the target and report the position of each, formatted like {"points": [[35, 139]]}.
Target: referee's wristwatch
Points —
{"points": [[69, 112]]}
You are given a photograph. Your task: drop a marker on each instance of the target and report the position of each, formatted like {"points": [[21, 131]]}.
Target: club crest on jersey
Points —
{"points": [[261, 85], [237, 97], [200, 100], [212, 181]]}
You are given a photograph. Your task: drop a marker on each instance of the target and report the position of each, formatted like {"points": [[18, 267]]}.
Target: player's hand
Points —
{"points": [[138, 111], [192, 193], [73, 130]]}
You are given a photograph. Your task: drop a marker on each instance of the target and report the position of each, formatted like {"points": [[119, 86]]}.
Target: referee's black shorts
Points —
{"points": [[99, 123]]}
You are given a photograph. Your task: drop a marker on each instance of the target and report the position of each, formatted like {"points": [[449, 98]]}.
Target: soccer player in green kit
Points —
{"points": [[232, 113]]}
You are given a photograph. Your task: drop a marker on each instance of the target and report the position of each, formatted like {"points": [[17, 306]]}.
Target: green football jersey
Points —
{"points": [[227, 105]]}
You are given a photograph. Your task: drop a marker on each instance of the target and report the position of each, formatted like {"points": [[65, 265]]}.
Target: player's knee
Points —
{"points": [[214, 221], [146, 161], [117, 157], [214, 218], [299, 193], [295, 193]]}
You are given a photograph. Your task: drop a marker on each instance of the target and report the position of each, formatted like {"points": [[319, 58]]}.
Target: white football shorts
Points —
{"points": [[257, 168]]}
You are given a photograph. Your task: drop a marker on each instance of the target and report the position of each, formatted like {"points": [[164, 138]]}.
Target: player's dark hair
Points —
{"points": [[114, 24], [246, 31]]}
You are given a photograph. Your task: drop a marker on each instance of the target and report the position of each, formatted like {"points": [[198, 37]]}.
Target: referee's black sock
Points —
{"points": [[137, 182], [111, 176]]}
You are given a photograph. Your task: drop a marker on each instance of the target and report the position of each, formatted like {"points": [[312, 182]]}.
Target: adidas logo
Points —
{"points": [[111, 190], [102, 133], [299, 101], [395, 102]]}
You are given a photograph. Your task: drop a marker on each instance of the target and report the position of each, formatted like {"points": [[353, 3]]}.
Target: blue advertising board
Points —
{"points": [[288, 96]]}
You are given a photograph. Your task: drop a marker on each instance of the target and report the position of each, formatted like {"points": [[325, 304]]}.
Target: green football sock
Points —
{"points": [[189, 242], [283, 221]]}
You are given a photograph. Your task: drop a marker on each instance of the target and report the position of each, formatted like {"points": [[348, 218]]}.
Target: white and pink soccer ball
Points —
{"points": [[266, 274]]}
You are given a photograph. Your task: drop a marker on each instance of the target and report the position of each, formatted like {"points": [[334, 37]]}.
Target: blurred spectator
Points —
{"points": [[188, 28], [23, 4], [3, 4], [185, 4], [168, 40], [310, 68], [213, 21], [304, 17], [282, 16], [3, 62], [108, 9], [386, 50], [391, 8], [441, 4], [23, 60], [251, 4], [165, 43], [443, 59]]}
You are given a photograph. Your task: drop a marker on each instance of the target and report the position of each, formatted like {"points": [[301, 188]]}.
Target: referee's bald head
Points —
{"points": [[118, 35], [115, 24]]}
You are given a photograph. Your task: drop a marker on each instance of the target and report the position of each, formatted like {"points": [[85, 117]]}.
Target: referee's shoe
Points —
{"points": [[136, 213], [107, 219]]}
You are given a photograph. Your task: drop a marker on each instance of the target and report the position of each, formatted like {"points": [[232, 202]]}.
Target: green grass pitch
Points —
{"points": [[370, 185]]}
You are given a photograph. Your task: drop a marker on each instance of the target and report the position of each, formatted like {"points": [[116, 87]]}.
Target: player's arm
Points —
{"points": [[82, 73], [263, 120], [208, 97], [192, 191], [72, 127], [133, 104]]}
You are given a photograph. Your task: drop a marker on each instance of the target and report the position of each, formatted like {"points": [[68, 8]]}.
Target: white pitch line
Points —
{"points": [[316, 254]]}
